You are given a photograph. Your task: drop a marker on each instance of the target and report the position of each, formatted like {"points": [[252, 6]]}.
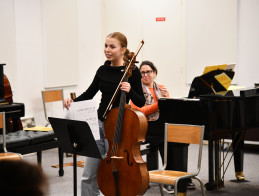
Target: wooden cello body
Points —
{"points": [[124, 173]]}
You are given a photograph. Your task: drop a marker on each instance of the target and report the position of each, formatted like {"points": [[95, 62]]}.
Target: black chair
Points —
{"points": [[25, 142], [5, 155]]}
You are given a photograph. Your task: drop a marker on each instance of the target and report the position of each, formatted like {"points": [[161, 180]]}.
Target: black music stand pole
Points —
{"points": [[75, 137], [75, 168]]}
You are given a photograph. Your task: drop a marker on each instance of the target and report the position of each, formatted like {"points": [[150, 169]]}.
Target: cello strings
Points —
{"points": [[118, 131]]}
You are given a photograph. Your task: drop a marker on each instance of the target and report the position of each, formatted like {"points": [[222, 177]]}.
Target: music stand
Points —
{"points": [[75, 137], [207, 83]]}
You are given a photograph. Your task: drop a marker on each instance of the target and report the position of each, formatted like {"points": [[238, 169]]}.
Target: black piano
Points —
{"points": [[227, 114], [13, 111]]}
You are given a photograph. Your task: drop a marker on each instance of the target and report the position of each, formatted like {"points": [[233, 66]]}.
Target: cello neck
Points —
{"points": [[118, 131]]}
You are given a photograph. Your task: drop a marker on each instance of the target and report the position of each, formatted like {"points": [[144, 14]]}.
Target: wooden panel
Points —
{"points": [[184, 134], [55, 95]]}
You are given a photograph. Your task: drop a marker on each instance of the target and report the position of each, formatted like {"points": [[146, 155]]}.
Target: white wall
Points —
{"points": [[7, 39], [163, 40], [211, 34], [248, 42], [166, 43], [90, 28], [60, 34], [22, 49], [29, 55], [194, 34]]}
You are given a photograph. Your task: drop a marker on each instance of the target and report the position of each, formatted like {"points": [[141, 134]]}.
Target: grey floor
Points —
{"points": [[63, 186]]}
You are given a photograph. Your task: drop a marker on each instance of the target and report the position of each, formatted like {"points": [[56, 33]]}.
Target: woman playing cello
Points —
{"points": [[106, 80]]}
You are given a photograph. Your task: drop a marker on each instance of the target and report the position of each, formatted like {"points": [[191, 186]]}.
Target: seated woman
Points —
{"points": [[152, 92]]}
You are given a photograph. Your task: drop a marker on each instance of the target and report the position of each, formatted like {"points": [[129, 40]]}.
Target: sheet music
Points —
{"points": [[230, 67], [85, 111]]}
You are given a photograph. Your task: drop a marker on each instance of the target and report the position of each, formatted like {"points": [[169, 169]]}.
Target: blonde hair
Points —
{"points": [[123, 42]]}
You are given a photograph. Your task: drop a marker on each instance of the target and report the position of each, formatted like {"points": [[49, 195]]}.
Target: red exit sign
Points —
{"points": [[159, 19]]}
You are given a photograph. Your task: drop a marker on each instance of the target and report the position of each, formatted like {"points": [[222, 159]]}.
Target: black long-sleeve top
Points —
{"points": [[106, 80]]}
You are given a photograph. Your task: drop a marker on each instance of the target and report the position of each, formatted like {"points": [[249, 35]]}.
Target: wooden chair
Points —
{"points": [[6, 155], [51, 96], [177, 133]]}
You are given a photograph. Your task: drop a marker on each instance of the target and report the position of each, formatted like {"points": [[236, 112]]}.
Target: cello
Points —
{"points": [[123, 172]]}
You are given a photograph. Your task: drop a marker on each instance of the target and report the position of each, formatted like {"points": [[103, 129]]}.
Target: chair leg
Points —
{"points": [[202, 186], [39, 156], [180, 187], [61, 161], [161, 189]]}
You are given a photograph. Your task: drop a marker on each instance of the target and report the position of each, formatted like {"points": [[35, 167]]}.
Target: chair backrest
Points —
{"points": [[51, 96], [3, 127], [188, 134]]}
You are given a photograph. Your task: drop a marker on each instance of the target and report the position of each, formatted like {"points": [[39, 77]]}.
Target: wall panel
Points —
{"points": [[7, 40], [164, 42], [211, 34], [248, 42], [60, 20]]}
